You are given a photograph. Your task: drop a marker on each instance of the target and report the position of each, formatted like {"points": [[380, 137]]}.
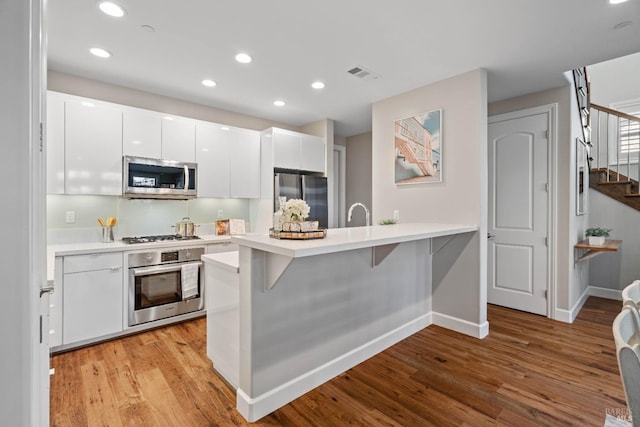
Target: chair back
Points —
{"points": [[626, 333], [631, 295]]}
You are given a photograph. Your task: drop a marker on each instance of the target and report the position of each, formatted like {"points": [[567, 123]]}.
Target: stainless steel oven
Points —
{"points": [[165, 283]]}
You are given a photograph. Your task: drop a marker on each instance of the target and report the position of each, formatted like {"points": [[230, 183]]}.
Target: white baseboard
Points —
{"points": [[568, 316], [614, 294], [255, 408], [463, 326]]}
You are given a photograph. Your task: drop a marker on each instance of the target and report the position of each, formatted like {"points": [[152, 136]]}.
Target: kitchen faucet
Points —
{"points": [[366, 212]]}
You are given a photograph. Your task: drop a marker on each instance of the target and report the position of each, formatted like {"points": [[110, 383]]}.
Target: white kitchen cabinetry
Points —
{"points": [[286, 149], [55, 143], [93, 148], [228, 161], [212, 148], [298, 151], [55, 306], [178, 139], [92, 296], [312, 153], [244, 163], [141, 133]]}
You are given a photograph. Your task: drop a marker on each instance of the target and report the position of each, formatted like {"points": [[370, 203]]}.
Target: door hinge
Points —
{"points": [[41, 137], [41, 329], [545, 294], [546, 134], [546, 187], [546, 241]]}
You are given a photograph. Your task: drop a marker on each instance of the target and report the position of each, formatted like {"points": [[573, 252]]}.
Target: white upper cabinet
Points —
{"points": [[212, 148], [244, 162], [294, 150], [93, 148], [55, 143], [141, 133], [178, 139], [312, 153], [286, 149]]}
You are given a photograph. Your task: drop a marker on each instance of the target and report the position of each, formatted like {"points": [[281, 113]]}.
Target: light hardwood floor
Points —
{"points": [[529, 371]]}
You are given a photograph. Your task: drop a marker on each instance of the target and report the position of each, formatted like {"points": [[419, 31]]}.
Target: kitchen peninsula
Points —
{"points": [[310, 310]]}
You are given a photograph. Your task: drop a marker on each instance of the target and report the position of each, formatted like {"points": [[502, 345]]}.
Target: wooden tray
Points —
{"points": [[298, 235]]}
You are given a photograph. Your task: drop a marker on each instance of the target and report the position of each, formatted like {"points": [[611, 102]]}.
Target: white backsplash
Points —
{"points": [[136, 217]]}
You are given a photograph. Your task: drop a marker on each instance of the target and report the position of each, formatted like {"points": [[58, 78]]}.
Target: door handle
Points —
{"points": [[46, 290], [490, 236]]}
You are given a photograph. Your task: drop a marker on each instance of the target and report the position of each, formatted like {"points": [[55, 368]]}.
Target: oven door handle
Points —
{"points": [[160, 269]]}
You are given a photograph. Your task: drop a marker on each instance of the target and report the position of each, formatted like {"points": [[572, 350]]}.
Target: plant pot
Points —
{"points": [[596, 240]]}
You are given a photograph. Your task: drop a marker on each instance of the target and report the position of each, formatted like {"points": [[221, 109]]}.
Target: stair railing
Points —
{"points": [[617, 145]]}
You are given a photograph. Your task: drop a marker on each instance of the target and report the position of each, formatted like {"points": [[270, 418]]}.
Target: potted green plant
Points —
{"points": [[597, 235]]}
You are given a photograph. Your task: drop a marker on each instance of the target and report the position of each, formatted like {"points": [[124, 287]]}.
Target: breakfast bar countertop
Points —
{"points": [[344, 239]]}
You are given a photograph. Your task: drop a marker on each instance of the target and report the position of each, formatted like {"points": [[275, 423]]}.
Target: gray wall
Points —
{"points": [[359, 176], [459, 284]]}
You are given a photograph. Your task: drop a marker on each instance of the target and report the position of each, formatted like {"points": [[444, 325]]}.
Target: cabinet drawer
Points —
{"points": [[91, 262]]}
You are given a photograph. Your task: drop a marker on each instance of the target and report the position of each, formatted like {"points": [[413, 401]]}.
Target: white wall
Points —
{"points": [[19, 263], [459, 284], [615, 81], [618, 269]]}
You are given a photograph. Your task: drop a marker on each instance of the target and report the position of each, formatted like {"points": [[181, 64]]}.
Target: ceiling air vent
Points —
{"points": [[363, 73]]}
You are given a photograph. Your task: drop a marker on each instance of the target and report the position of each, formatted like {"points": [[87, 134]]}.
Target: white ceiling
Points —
{"points": [[525, 45]]}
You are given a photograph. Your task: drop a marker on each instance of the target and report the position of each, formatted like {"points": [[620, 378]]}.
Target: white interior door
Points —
{"points": [[518, 213]]}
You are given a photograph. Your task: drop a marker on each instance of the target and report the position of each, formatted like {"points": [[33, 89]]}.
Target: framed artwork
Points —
{"points": [[582, 176], [418, 148]]}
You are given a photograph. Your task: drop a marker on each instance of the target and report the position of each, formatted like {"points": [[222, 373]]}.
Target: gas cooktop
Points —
{"points": [[160, 238]]}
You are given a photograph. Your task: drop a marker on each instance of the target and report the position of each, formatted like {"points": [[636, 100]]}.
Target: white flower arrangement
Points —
{"points": [[295, 210]]}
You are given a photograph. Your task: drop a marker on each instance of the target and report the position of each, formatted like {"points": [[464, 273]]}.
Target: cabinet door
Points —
{"points": [[312, 154], [212, 147], [141, 133], [93, 148], [286, 149], [178, 139], [55, 143], [244, 163], [92, 304]]}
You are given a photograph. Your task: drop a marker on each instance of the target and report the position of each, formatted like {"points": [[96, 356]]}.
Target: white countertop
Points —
{"points": [[118, 246], [345, 239], [226, 260]]}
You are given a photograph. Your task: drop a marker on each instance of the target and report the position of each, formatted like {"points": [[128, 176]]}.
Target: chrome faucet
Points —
{"points": [[366, 212]]}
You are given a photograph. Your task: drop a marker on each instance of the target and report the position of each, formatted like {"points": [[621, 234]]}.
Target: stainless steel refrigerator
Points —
{"points": [[310, 188]]}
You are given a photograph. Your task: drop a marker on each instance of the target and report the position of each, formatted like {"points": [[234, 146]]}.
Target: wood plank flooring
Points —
{"points": [[529, 371]]}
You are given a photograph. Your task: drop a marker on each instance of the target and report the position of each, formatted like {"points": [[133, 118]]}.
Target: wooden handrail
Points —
{"points": [[615, 113]]}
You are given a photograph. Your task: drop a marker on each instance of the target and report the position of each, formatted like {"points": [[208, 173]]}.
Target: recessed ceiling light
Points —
{"points": [[279, 103], [317, 85], [243, 58], [224, 128], [208, 83], [616, 1], [111, 9], [99, 52]]}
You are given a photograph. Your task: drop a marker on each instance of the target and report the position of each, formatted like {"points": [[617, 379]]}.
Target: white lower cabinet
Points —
{"points": [[93, 299]]}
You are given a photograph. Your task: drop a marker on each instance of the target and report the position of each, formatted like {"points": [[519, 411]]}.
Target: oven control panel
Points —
{"points": [[143, 259]]}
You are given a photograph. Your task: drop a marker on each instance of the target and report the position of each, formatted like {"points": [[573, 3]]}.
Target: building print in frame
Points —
{"points": [[418, 148]]}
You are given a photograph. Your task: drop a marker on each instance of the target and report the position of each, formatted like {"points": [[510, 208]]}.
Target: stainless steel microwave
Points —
{"points": [[145, 178]]}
